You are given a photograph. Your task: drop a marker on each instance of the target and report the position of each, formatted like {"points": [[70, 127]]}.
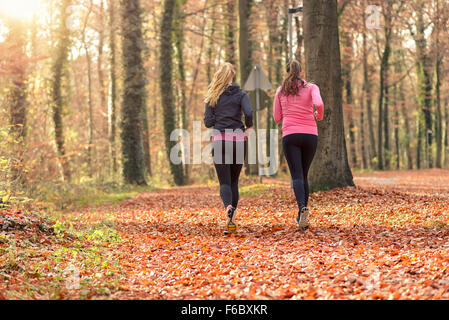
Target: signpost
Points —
{"points": [[257, 81], [291, 12]]}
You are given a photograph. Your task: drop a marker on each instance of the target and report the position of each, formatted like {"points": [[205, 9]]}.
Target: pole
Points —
{"points": [[290, 35], [257, 121], [259, 150], [291, 12]]}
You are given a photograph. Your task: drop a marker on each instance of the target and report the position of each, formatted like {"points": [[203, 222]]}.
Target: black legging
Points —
{"points": [[299, 150], [228, 161]]}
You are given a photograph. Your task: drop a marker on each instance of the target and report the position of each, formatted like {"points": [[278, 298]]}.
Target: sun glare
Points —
{"points": [[19, 9]]}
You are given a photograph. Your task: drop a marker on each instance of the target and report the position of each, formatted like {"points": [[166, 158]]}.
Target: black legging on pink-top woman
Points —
{"points": [[294, 106]]}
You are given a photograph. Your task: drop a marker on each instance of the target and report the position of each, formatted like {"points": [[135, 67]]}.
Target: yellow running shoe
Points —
{"points": [[231, 226]]}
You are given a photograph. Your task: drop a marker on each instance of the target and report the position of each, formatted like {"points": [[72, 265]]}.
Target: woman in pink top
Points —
{"points": [[293, 105]]}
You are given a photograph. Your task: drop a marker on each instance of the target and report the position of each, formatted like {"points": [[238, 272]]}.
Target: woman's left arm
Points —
{"points": [[277, 108]]}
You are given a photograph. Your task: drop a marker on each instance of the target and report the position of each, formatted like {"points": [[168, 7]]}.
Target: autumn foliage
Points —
{"points": [[384, 239]]}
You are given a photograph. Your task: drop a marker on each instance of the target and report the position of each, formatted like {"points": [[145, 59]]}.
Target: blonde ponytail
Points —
{"points": [[222, 79]]}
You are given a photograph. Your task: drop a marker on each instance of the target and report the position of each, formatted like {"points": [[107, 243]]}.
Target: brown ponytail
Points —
{"points": [[291, 86]]}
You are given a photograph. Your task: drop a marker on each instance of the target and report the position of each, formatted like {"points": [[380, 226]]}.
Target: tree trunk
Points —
{"points": [[446, 136], [113, 79], [210, 46], [425, 88], [134, 93], [17, 99], [100, 71], [179, 44], [229, 31], [438, 113], [244, 40], [90, 120], [368, 100], [166, 85], [383, 118], [274, 59], [347, 57], [408, 148], [245, 58], [362, 137], [396, 127], [322, 53], [299, 36], [57, 99]]}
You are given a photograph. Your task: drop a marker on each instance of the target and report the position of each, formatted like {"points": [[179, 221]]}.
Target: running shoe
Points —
{"points": [[303, 219], [231, 227]]}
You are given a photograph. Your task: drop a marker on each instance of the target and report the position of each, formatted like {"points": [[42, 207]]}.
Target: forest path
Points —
{"points": [[385, 238]]}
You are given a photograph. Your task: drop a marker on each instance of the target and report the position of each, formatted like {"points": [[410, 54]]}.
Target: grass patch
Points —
{"points": [[256, 190], [61, 196]]}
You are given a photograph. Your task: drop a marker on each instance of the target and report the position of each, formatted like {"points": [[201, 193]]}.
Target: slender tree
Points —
{"points": [[182, 88], [57, 98], [113, 79], [230, 29], [90, 120], [425, 100], [134, 94], [245, 58], [17, 97], [166, 84], [367, 93], [347, 57]]}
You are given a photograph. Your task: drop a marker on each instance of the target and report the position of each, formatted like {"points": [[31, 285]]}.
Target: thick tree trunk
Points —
{"points": [[57, 99], [134, 93], [330, 168], [166, 85]]}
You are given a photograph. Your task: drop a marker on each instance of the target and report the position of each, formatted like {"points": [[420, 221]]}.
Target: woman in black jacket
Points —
{"points": [[225, 103]]}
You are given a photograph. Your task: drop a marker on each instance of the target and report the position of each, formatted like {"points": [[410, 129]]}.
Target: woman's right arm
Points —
{"points": [[247, 110], [209, 116]]}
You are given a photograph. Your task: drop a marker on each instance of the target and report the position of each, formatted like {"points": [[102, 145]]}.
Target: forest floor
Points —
{"points": [[384, 239]]}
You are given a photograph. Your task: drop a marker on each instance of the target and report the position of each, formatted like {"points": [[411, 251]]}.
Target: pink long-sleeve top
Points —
{"points": [[296, 112]]}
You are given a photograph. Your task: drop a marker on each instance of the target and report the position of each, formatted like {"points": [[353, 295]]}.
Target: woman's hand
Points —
{"points": [[316, 116]]}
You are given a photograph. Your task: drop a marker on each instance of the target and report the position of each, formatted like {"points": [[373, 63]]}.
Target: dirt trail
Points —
{"points": [[385, 238]]}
